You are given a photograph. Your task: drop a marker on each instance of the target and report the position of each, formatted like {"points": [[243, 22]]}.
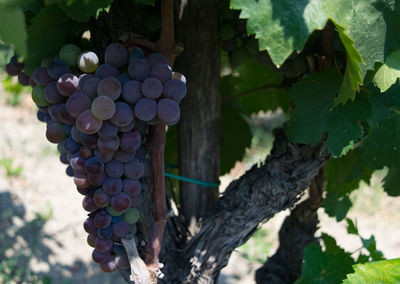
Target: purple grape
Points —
{"points": [[130, 141], [77, 162], [41, 77], [82, 80], [120, 229], [114, 169], [155, 59], [105, 233], [89, 141], [67, 129], [78, 103], [106, 70], [141, 153], [52, 94], [108, 145], [123, 114], [122, 261], [139, 69], [121, 202], [85, 152], [152, 88], [84, 191], [105, 157], [108, 266], [90, 87], [67, 84], [103, 245], [118, 248], [76, 134], [103, 108], [112, 186], [71, 146], [168, 111], [88, 123], [146, 109], [135, 53], [81, 182], [179, 76], [162, 72], [97, 180], [57, 68], [88, 204], [69, 171], [132, 187], [12, 70], [55, 132], [132, 91], [127, 128], [89, 226], [102, 219], [116, 219], [93, 166], [64, 115], [108, 130], [23, 79], [109, 87], [101, 257], [101, 199], [123, 156], [90, 240], [175, 89], [116, 55], [64, 158], [134, 169]]}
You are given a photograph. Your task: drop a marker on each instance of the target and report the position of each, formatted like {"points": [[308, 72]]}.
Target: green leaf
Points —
{"points": [[325, 267], [6, 52], [336, 206], [81, 10], [392, 182], [351, 227], [46, 35], [145, 2], [384, 271], [12, 28], [370, 245], [389, 72], [235, 137]]}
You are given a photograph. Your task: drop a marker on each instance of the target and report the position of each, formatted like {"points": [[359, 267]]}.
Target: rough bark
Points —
{"points": [[297, 231], [255, 197], [199, 127]]}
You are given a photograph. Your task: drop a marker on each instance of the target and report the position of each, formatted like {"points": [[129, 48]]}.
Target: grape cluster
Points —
{"points": [[16, 68], [98, 119]]}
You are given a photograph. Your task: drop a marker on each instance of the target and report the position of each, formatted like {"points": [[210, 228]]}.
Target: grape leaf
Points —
{"points": [[6, 52], [351, 227], [12, 27], [330, 266], [392, 182], [384, 271], [235, 137], [45, 35], [336, 206], [81, 10], [370, 245], [389, 72]]}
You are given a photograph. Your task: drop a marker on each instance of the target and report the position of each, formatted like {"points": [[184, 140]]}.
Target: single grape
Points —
{"points": [[89, 226], [81, 182], [132, 187], [88, 204], [121, 202], [108, 144], [139, 69], [179, 76], [101, 199], [43, 117], [55, 132], [132, 91], [122, 261], [112, 186], [108, 266], [155, 59], [108, 130], [101, 257], [88, 123], [103, 108], [152, 88], [90, 87], [53, 111], [57, 68], [106, 70], [94, 166], [89, 141], [135, 53], [118, 248], [64, 158], [23, 78], [123, 156], [109, 87], [175, 89], [146, 109], [71, 146], [84, 191], [123, 114], [102, 219], [70, 53], [123, 78], [131, 216], [128, 127], [90, 240], [120, 229], [105, 157], [51, 94], [103, 245], [64, 116], [32, 82], [78, 103], [116, 55], [114, 169], [130, 141], [85, 152], [12, 70], [67, 84], [116, 219], [97, 180], [105, 233], [113, 212], [82, 80], [38, 96], [162, 72], [88, 62], [168, 111], [134, 169]]}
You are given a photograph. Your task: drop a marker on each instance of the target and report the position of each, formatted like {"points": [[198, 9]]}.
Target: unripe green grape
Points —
{"points": [[69, 53], [88, 61], [38, 96], [131, 216]]}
